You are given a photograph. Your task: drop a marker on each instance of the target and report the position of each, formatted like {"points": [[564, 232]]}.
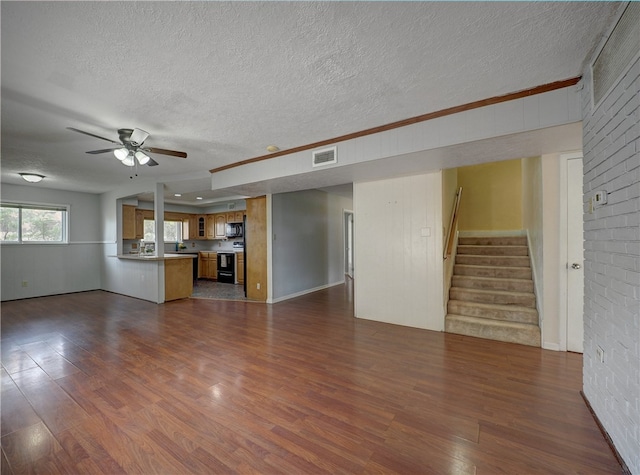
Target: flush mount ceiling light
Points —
{"points": [[272, 148], [177, 194], [31, 177], [198, 197]]}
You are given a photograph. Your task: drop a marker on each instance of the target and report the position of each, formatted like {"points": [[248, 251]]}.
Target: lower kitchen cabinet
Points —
{"points": [[207, 265], [178, 279], [240, 267]]}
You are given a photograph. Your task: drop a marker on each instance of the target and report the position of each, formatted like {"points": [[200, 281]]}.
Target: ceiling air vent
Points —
{"points": [[617, 54], [325, 157]]}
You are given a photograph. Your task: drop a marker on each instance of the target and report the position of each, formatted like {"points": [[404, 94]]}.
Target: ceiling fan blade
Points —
{"points": [[162, 151], [138, 136], [92, 135], [152, 162], [104, 150]]}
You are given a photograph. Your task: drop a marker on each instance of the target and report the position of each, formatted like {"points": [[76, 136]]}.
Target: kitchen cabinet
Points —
{"points": [[139, 224], [240, 267], [178, 279], [220, 229], [192, 229], [207, 265], [128, 222], [211, 226], [235, 216], [201, 227]]}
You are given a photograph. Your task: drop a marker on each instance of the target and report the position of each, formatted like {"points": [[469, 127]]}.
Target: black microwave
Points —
{"points": [[234, 230]]}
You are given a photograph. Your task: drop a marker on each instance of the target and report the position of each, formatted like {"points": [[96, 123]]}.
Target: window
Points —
{"points": [[22, 223], [172, 231]]}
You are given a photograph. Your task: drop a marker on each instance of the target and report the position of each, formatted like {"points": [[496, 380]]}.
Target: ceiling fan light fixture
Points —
{"points": [[138, 136], [31, 177], [129, 160], [142, 158], [121, 153]]}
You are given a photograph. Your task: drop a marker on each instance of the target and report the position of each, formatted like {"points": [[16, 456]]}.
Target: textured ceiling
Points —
{"points": [[222, 80]]}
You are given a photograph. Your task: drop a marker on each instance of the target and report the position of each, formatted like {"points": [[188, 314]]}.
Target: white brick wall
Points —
{"points": [[612, 261]]}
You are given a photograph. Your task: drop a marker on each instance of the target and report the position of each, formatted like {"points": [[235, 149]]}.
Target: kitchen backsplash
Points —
{"points": [[132, 246]]}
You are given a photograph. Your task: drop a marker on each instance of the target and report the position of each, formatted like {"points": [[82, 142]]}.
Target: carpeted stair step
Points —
{"points": [[493, 250], [493, 271], [493, 240], [511, 332], [501, 261], [492, 283], [526, 299], [512, 313]]}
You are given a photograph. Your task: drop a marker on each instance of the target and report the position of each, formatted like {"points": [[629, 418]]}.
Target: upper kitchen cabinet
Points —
{"points": [[128, 222], [211, 226], [200, 229], [139, 224], [235, 217], [220, 226]]}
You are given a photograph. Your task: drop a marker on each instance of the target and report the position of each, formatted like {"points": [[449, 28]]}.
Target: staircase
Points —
{"points": [[492, 293]]}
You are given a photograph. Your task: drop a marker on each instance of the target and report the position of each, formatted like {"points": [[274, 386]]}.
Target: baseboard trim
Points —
{"points": [[500, 233], [550, 346], [308, 291], [605, 434]]}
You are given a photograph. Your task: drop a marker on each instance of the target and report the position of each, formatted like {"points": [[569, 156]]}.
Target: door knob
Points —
{"points": [[575, 265]]}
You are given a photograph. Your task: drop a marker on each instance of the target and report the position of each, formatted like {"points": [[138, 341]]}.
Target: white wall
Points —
{"points": [[532, 211], [398, 251], [612, 262], [52, 269], [307, 242], [541, 219], [140, 279]]}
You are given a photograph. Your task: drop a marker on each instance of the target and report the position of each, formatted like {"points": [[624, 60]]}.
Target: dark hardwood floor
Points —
{"points": [[101, 383]]}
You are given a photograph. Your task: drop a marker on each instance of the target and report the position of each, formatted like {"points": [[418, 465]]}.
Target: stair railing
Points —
{"points": [[453, 225]]}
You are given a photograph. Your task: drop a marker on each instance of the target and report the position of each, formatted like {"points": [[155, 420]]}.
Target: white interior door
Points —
{"points": [[575, 256]]}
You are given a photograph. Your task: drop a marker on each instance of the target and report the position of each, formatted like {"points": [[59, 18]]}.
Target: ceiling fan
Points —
{"points": [[130, 150]]}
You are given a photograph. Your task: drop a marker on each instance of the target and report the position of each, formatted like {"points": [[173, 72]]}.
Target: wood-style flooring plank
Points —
{"points": [[52, 404], [101, 383]]}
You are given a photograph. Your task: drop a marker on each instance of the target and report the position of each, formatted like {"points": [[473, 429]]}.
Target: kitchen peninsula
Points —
{"points": [[178, 272]]}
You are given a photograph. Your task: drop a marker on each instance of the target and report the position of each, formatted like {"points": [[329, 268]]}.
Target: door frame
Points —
{"points": [[348, 243], [563, 317]]}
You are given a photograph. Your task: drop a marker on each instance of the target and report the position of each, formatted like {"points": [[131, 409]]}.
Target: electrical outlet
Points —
{"points": [[258, 286], [25, 283], [600, 198], [600, 353]]}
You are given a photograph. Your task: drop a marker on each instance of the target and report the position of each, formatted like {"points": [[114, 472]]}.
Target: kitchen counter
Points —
{"points": [[167, 256], [178, 272]]}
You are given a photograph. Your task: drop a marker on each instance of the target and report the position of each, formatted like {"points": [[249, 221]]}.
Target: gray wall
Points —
{"points": [[308, 249], [612, 261], [52, 269]]}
